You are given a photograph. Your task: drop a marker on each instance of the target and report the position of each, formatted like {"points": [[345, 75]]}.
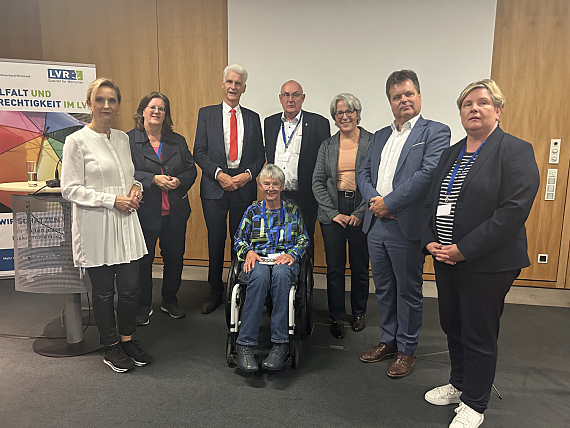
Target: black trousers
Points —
{"points": [[216, 214], [335, 237], [171, 241], [103, 285], [470, 308], [309, 218]]}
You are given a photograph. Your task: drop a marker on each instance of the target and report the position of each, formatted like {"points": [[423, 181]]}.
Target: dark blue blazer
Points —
{"points": [[177, 162], [316, 129], [492, 206], [412, 179], [210, 151]]}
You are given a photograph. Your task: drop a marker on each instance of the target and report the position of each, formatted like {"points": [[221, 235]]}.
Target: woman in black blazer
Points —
{"points": [[165, 167], [474, 229], [341, 210]]}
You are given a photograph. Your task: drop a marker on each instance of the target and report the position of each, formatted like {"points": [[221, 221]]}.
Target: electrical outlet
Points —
{"points": [[554, 157], [551, 185]]}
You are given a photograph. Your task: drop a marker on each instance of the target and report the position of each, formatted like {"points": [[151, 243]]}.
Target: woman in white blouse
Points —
{"points": [[98, 177]]}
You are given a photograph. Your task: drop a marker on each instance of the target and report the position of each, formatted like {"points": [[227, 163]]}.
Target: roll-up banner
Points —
{"points": [[39, 102]]}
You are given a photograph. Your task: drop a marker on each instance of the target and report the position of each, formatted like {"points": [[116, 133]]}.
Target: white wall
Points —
{"points": [[333, 46]]}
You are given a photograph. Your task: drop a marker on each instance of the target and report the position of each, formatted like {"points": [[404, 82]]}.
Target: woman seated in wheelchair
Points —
{"points": [[271, 241]]}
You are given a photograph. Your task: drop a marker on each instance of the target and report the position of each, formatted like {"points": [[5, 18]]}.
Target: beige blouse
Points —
{"points": [[345, 176]]}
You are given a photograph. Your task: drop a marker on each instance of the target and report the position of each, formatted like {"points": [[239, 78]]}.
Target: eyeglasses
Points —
{"points": [[340, 114], [153, 108], [294, 95]]}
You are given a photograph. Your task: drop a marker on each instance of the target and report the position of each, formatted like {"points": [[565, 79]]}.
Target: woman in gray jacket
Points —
{"points": [[341, 210]]}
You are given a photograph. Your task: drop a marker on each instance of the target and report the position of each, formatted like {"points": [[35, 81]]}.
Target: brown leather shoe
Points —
{"points": [[379, 352], [402, 365]]}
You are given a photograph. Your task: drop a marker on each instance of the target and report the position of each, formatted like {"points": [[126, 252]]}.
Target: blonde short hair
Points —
{"points": [[490, 85], [97, 83]]}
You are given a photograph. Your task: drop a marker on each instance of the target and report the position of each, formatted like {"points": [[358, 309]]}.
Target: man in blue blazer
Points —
{"points": [[394, 179], [229, 150], [292, 141]]}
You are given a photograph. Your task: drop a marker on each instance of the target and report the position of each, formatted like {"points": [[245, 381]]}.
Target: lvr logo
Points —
{"points": [[65, 74]]}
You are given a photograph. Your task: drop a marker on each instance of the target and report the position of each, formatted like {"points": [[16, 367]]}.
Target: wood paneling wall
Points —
{"points": [[119, 37], [531, 61], [193, 51], [20, 30]]}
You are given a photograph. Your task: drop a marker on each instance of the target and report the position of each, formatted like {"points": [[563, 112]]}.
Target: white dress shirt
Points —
{"points": [[288, 158], [390, 155], [226, 112], [95, 169]]}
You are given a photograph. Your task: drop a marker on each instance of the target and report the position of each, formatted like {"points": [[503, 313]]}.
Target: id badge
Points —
{"points": [[443, 209], [283, 157]]}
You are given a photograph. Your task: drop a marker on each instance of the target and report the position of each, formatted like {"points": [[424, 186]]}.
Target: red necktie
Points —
{"points": [[233, 136]]}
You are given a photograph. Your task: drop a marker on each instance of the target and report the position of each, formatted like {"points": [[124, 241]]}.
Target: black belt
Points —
{"points": [[349, 194], [233, 172]]}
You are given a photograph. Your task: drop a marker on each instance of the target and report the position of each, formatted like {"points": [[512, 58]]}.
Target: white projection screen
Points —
{"points": [[333, 46]]}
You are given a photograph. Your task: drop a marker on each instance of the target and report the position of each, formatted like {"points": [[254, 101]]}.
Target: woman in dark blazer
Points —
{"points": [[165, 167], [341, 210], [474, 229]]}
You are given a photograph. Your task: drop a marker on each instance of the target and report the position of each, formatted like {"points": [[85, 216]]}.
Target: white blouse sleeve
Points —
{"points": [[73, 179]]}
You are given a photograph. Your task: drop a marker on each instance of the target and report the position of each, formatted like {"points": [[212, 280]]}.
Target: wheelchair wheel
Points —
{"points": [[295, 353], [304, 300], [231, 349], [232, 280], [309, 291]]}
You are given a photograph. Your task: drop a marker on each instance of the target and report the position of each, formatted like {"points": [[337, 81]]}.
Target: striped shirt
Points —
{"points": [[288, 233], [444, 223]]}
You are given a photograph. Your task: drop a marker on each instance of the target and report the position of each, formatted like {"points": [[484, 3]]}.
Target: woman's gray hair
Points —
{"points": [[351, 102], [236, 68], [273, 172]]}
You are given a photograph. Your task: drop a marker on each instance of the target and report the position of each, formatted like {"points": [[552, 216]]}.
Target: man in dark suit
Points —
{"points": [[292, 141], [229, 149], [394, 178]]}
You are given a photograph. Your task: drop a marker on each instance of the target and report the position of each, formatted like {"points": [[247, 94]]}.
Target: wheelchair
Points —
{"points": [[300, 305]]}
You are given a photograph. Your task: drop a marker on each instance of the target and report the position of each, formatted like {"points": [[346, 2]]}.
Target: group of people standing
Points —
{"points": [[365, 189]]}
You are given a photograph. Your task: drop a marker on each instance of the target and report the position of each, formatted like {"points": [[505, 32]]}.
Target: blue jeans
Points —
{"points": [[277, 280]]}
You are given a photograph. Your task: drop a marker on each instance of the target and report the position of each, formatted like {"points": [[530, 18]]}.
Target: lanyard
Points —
{"points": [[273, 235], [285, 140], [456, 168]]}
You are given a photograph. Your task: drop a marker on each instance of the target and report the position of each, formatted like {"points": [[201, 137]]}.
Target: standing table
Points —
{"points": [[43, 263]]}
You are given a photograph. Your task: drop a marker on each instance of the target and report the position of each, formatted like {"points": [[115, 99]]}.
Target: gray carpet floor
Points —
{"points": [[190, 384]]}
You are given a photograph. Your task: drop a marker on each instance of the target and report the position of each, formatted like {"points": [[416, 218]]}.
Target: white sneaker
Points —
{"points": [[443, 395], [466, 417]]}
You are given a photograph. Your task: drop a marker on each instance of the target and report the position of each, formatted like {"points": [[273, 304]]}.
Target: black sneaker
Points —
{"points": [[143, 315], [133, 350], [116, 359], [172, 309]]}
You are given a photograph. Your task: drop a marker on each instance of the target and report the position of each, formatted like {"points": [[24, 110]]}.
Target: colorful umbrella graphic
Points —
{"points": [[34, 136]]}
